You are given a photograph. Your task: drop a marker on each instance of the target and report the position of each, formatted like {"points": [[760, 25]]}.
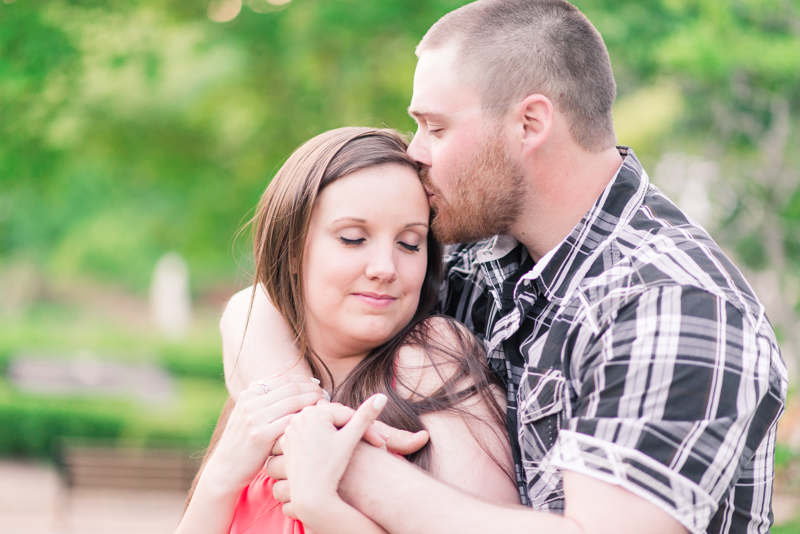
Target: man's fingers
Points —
{"points": [[276, 467], [280, 490], [401, 441]]}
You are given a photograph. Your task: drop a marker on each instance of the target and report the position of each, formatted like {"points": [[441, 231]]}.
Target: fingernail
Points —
{"points": [[315, 380], [380, 401], [326, 395], [384, 436]]}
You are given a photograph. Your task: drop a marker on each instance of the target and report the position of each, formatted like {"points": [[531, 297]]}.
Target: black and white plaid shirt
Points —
{"points": [[635, 353]]}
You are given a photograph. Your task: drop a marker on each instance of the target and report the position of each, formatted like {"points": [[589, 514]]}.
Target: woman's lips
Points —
{"points": [[375, 300]]}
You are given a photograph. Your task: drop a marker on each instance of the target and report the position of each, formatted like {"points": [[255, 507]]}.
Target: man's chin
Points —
{"points": [[450, 232]]}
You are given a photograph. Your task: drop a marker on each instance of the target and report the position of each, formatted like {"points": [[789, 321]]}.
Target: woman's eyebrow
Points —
{"points": [[354, 219], [363, 221]]}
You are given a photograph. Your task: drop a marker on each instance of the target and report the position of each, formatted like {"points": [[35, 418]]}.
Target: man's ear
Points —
{"points": [[535, 116]]}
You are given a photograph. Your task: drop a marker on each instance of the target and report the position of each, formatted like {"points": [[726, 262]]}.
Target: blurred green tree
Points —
{"points": [[130, 128]]}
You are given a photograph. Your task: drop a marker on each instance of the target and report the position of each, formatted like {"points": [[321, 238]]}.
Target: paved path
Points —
{"points": [[34, 501]]}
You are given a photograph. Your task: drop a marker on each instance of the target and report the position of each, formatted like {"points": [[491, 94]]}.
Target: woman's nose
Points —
{"points": [[382, 268]]}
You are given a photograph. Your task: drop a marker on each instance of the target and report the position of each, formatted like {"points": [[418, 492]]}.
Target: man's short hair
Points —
{"points": [[509, 49]]}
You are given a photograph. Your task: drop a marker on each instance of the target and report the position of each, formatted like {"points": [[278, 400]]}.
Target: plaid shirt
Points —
{"points": [[639, 355]]}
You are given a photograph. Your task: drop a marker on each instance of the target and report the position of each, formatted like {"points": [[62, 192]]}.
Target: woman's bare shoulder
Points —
{"points": [[422, 368]]}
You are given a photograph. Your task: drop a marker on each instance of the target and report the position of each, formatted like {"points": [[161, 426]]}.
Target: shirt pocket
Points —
{"points": [[540, 402]]}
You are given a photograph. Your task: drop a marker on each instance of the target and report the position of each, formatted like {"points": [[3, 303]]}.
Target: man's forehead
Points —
{"points": [[438, 89]]}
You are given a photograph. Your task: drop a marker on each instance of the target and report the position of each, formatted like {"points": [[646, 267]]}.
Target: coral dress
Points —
{"points": [[257, 511]]}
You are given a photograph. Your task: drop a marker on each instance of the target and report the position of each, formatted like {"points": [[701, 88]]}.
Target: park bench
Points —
{"points": [[104, 464]]}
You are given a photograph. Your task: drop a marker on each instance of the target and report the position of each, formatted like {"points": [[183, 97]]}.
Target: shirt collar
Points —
{"points": [[498, 247], [564, 266], [612, 212]]}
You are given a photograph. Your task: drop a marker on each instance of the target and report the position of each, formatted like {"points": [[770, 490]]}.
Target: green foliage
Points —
{"points": [[130, 130], [202, 362], [133, 128], [783, 457], [30, 426], [792, 527], [31, 429]]}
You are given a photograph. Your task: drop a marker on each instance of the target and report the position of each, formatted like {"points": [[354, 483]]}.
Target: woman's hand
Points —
{"points": [[317, 455], [262, 413]]}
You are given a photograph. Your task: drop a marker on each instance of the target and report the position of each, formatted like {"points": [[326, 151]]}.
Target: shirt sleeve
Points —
{"points": [[674, 392]]}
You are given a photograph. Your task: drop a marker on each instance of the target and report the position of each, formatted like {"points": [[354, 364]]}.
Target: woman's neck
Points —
{"points": [[340, 366]]}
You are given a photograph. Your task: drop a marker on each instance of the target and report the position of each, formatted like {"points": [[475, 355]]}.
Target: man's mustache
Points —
{"points": [[426, 181]]}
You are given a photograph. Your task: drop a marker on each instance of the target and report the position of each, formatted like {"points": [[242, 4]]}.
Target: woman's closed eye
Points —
{"points": [[409, 247], [346, 241]]}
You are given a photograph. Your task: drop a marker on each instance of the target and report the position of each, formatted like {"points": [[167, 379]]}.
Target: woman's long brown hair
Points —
{"points": [[281, 225]]}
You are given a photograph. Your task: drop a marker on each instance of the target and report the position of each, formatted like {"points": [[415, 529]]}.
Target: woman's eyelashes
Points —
{"points": [[354, 242], [346, 241]]}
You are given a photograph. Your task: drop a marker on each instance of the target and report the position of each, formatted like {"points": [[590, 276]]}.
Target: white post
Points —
{"points": [[170, 302]]}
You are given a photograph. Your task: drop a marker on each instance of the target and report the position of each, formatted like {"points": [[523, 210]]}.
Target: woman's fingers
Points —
{"points": [[288, 511], [276, 468], [280, 490], [274, 389], [341, 414], [289, 405], [401, 441], [279, 426], [375, 437], [277, 449], [366, 414]]}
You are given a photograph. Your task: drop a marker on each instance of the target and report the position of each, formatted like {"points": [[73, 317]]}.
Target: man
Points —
{"points": [[644, 380]]}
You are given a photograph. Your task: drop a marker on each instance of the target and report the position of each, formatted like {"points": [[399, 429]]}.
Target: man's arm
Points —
{"points": [[269, 347], [415, 503]]}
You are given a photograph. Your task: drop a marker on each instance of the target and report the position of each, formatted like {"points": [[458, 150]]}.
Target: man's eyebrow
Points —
{"points": [[422, 114]]}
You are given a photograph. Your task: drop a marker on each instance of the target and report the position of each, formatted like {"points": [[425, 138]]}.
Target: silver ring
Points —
{"points": [[264, 386]]}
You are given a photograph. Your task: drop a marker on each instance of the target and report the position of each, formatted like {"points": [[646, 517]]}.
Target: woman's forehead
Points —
{"points": [[374, 192]]}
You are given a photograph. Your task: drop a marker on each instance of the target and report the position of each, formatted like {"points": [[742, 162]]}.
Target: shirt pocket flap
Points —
{"points": [[541, 394]]}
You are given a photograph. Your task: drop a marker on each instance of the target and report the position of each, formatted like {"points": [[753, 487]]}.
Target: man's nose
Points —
{"points": [[381, 266], [418, 151]]}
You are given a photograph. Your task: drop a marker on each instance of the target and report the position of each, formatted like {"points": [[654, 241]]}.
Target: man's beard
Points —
{"points": [[486, 194]]}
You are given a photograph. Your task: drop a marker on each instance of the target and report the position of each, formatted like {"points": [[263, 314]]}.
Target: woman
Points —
{"points": [[344, 251]]}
